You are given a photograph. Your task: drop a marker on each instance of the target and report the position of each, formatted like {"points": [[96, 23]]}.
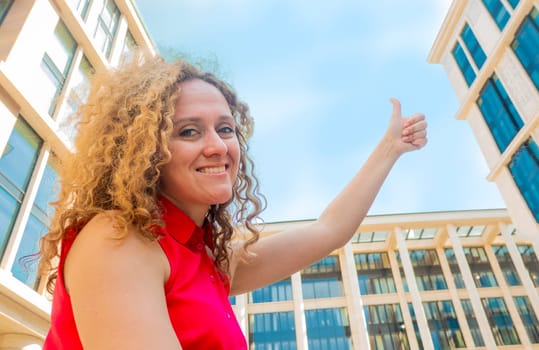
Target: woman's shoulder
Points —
{"points": [[102, 244]]}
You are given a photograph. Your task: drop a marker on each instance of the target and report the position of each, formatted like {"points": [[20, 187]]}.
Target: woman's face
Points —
{"points": [[205, 150]]}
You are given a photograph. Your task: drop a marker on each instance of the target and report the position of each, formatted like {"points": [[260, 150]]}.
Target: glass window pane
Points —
{"points": [[322, 279], [526, 45], [275, 330], [473, 46], [19, 156], [499, 112], [62, 48], [498, 12], [500, 321], [328, 329], [524, 167], [529, 319], [464, 64]]}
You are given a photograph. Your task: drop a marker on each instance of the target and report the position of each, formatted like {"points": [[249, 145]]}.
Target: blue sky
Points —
{"points": [[318, 77]]}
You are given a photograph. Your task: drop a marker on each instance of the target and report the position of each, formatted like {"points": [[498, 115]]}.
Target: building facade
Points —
{"points": [[490, 52], [48, 49], [445, 280]]}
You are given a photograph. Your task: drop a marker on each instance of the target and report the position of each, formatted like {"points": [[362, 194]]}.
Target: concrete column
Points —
{"points": [[240, 310], [299, 313], [360, 338], [414, 291], [403, 302], [475, 300]]}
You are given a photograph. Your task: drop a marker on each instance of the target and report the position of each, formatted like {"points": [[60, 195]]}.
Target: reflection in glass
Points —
{"points": [[427, 270], [273, 330], [374, 273], [328, 329], [25, 266], [529, 319], [386, 327], [473, 325], [443, 325], [16, 167], [506, 264], [278, 291], [480, 267], [322, 279], [500, 321]]}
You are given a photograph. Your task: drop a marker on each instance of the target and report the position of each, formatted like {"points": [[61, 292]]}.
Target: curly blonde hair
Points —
{"points": [[120, 148]]}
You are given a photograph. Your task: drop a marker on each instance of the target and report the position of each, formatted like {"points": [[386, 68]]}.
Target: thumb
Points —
{"points": [[396, 107]]}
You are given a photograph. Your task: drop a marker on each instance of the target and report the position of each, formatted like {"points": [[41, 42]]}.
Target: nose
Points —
{"points": [[214, 145]]}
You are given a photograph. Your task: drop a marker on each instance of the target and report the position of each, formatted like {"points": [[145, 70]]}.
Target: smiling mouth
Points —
{"points": [[213, 170]]}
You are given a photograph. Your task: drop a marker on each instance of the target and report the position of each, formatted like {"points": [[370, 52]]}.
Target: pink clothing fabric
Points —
{"points": [[196, 291]]}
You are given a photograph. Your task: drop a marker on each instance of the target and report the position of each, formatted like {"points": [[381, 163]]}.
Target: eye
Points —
{"points": [[188, 132], [226, 130]]}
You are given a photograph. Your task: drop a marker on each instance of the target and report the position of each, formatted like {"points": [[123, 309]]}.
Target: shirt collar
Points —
{"points": [[182, 228]]}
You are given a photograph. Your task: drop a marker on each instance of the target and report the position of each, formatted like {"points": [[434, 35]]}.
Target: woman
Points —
{"points": [[144, 222]]}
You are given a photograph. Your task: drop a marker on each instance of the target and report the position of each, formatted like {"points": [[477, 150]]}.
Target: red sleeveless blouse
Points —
{"points": [[196, 291]]}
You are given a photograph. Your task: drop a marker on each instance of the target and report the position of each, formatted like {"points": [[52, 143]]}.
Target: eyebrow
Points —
{"points": [[196, 119]]}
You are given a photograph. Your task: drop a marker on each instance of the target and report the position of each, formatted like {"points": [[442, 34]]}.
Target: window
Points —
{"points": [[386, 328], [473, 325], [328, 329], [24, 268], [526, 45], [506, 265], [16, 168], [499, 112], [129, 46], [4, 8], [473, 46], [500, 321], [427, 270], [524, 167], [423, 233], [529, 319], [369, 237], [454, 267], [464, 64], [81, 6], [273, 330], [443, 324], [527, 253], [480, 267], [498, 12], [56, 64], [322, 279], [278, 291], [107, 24], [78, 95], [374, 273]]}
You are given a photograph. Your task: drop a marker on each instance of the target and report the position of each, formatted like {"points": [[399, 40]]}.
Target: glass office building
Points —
{"points": [[490, 52], [48, 50], [448, 280]]}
